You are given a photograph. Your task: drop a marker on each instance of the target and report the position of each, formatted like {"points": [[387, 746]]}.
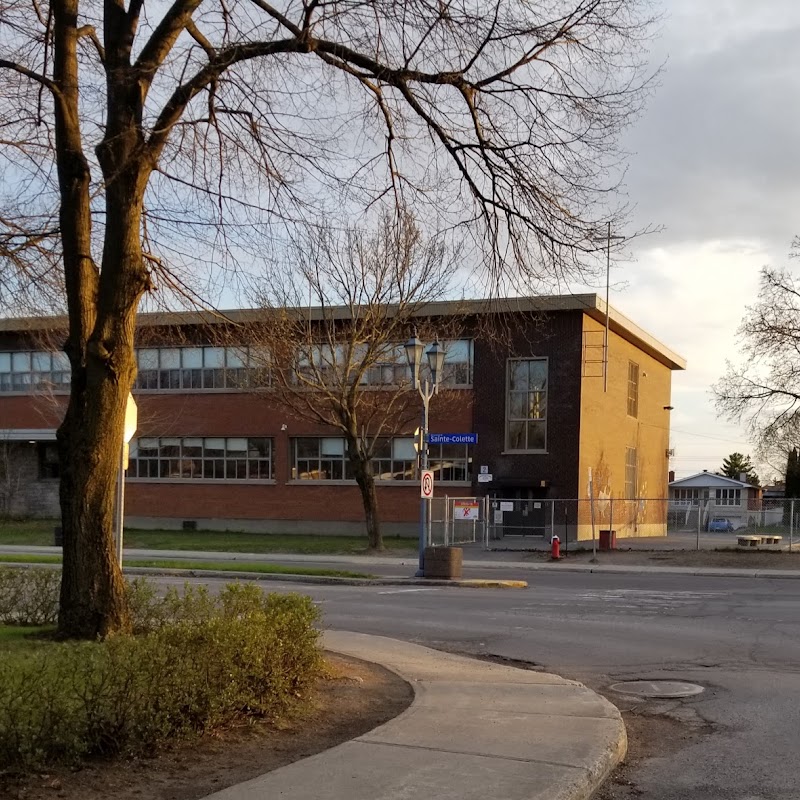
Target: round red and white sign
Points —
{"points": [[427, 484]]}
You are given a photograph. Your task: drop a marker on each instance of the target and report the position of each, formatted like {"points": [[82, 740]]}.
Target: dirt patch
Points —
{"points": [[355, 698], [731, 558]]}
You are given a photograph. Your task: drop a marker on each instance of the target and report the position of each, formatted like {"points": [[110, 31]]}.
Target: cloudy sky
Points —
{"points": [[715, 163]]}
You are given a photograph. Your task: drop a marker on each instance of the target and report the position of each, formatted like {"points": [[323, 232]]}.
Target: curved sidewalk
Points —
{"points": [[475, 731]]}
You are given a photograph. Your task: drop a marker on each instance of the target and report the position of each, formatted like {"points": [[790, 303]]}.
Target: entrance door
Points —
{"points": [[518, 511]]}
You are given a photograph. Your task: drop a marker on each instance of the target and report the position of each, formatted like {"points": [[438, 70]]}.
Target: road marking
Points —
{"points": [[405, 591]]}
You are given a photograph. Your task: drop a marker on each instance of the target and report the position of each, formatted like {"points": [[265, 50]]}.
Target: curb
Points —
{"points": [[707, 572], [473, 583]]}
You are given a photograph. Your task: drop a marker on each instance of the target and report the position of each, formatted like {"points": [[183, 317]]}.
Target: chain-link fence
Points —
{"points": [[492, 522]]}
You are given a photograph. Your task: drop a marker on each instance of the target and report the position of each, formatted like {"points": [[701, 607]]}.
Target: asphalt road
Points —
{"points": [[737, 637]]}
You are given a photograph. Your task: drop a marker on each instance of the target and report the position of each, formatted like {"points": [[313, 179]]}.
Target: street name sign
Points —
{"points": [[452, 438]]}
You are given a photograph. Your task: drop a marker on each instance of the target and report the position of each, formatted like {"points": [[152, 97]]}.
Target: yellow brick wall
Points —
{"points": [[606, 431]]}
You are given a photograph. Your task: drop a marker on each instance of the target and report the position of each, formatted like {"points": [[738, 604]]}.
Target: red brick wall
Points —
{"points": [[239, 414]]}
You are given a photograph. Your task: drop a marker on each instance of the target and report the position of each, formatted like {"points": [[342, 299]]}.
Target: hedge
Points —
{"points": [[204, 661]]}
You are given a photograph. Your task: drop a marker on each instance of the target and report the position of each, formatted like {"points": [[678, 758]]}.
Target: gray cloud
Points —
{"points": [[715, 153]]}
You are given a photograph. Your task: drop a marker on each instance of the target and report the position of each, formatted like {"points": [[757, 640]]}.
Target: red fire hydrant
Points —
{"points": [[555, 548]]}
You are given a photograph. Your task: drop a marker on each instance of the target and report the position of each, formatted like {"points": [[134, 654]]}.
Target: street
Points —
{"points": [[739, 638]]}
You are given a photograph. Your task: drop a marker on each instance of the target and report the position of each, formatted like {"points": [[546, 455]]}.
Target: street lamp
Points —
{"points": [[427, 388]]}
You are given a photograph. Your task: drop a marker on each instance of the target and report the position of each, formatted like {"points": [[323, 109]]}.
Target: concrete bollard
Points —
{"points": [[443, 562]]}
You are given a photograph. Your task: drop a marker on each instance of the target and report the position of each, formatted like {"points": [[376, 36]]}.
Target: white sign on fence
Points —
{"points": [[506, 506], [498, 517], [466, 509]]}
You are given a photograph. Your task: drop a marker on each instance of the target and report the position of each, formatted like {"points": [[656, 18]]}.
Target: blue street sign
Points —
{"points": [[452, 438]]}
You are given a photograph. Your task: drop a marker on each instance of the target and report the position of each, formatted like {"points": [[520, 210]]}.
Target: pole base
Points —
{"points": [[420, 573]]}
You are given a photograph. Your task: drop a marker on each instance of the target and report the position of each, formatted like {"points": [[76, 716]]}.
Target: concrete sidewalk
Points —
{"points": [[474, 731], [396, 566]]}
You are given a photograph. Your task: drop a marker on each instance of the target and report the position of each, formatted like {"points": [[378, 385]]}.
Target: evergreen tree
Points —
{"points": [[737, 464], [793, 474]]}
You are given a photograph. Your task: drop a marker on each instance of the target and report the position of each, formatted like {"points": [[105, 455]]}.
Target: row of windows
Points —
{"points": [[313, 458], [22, 371], [722, 497], [193, 368], [181, 368], [231, 458]]}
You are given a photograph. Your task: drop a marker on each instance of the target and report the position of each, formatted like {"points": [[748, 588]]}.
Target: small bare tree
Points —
{"points": [[763, 388], [340, 361]]}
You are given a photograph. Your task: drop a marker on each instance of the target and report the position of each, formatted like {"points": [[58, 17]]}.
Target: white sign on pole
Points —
{"points": [[466, 509], [426, 484], [131, 418], [129, 429]]}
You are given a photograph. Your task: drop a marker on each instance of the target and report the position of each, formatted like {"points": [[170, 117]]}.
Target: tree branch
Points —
{"points": [[34, 76]]}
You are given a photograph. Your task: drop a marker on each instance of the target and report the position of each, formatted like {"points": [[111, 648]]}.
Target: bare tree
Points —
{"points": [[339, 361], [150, 150], [763, 388]]}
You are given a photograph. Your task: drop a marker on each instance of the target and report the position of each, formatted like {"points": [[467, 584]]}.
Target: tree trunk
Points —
{"points": [[366, 485], [93, 601]]}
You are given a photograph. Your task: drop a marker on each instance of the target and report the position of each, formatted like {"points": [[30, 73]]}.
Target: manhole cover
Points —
{"points": [[665, 689]]}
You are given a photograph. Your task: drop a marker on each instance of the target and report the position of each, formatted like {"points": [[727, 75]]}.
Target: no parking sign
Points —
{"points": [[466, 509], [426, 484]]}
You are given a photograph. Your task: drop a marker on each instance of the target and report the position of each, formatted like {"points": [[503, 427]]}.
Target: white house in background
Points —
{"points": [[711, 495]]}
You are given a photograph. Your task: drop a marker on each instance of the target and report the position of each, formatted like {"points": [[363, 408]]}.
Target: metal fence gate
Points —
{"points": [[458, 521]]}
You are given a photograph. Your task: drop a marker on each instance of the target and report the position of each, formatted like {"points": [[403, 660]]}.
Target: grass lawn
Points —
{"points": [[227, 566], [40, 532], [239, 566], [20, 635]]}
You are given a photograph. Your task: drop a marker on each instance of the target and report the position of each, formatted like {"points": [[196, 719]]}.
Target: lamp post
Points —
{"points": [[427, 389]]}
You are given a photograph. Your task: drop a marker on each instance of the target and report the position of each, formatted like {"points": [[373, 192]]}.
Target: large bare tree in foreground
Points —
{"points": [[152, 148]]}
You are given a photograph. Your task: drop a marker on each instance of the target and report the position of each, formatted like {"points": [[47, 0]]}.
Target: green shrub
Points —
{"points": [[29, 596], [206, 660]]}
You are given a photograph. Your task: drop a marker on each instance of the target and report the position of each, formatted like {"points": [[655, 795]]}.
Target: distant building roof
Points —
{"points": [[709, 479]]}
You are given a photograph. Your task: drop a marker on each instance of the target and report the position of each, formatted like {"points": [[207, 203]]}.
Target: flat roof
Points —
{"points": [[591, 304]]}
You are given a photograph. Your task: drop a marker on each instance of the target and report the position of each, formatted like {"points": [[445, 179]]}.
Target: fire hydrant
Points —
{"points": [[555, 548]]}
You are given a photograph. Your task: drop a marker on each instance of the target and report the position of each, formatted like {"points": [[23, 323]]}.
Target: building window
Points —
{"points": [[685, 497], [633, 389], [29, 370], [394, 459], [190, 368], [728, 497], [630, 473], [47, 453], [320, 459], [450, 462], [526, 405], [197, 458]]}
